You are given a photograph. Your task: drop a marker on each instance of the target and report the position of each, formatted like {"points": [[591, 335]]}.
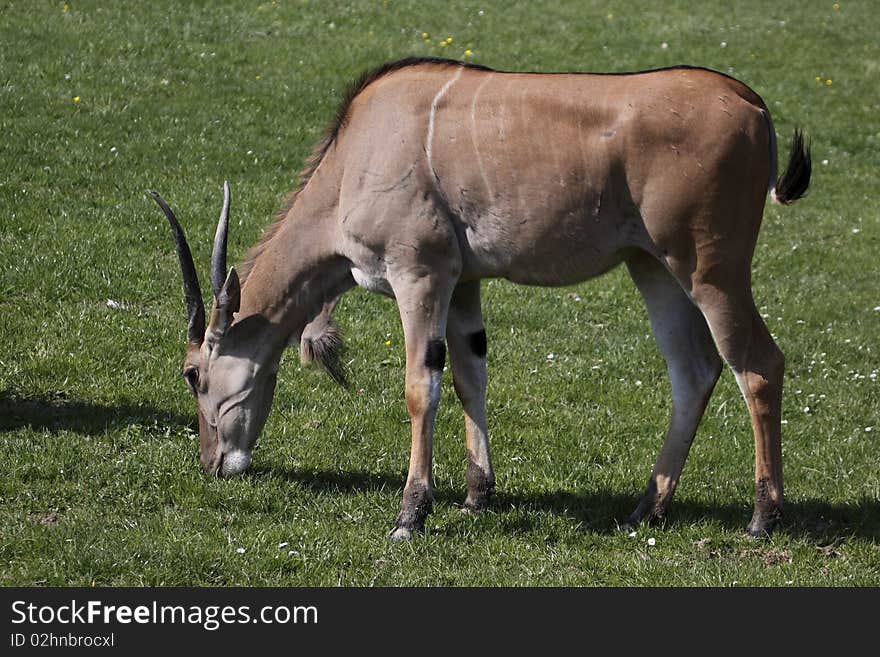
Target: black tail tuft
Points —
{"points": [[793, 184]]}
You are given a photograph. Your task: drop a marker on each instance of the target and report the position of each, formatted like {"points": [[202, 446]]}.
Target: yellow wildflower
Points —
{"points": [[387, 343], [835, 6], [425, 35], [828, 83], [468, 52], [66, 7], [75, 100]]}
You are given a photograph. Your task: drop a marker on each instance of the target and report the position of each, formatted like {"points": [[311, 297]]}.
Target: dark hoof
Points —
{"points": [[480, 486], [632, 523], [400, 534], [763, 523], [476, 502], [629, 525], [415, 508], [650, 511], [404, 532]]}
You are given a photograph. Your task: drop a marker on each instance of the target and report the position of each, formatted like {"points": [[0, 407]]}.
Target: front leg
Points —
{"points": [[423, 303]]}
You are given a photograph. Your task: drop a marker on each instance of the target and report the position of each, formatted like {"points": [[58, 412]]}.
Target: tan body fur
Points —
{"points": [[439, 175]]}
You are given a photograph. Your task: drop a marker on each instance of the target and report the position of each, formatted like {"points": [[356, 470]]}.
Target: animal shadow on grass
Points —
{"points": [[814, 520], [56, 413], [347, 482], [599, 512], [353, 482]]}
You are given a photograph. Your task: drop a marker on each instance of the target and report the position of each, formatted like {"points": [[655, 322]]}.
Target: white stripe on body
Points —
{"points": [[429, 141]]}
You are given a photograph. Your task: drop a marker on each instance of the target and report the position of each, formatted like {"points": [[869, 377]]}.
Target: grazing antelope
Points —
{"points": [[437, 174]]}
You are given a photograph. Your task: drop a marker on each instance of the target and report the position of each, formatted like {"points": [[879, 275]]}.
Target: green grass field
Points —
{"points": [[100, 483]]}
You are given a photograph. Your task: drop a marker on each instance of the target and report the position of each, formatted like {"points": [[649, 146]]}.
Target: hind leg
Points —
{"points": [[467, 354], [758, 365], [693, 365]]}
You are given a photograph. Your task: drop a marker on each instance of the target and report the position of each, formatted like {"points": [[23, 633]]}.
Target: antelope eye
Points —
{"points": [[191, 374]]}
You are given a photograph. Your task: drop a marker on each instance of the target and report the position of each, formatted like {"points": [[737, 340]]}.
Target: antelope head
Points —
{"points": [[233, 382]]}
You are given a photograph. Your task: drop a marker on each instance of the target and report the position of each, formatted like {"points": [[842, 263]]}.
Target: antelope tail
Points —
{"points": [[793, 183]]}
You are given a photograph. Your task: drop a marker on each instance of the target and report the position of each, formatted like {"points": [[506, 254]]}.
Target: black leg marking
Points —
{"points": [[478, 343], [435, 356]]}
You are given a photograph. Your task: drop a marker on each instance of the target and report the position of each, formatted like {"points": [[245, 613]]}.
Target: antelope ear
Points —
{"points": [[226, 303]]}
